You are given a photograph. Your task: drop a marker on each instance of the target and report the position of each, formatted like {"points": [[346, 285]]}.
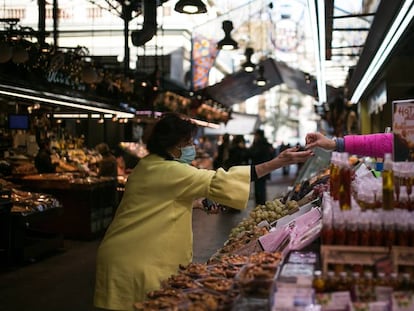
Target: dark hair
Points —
{"points": [[44, 143], [167, 132], [259, 133], [238, 139], [103, 149]]}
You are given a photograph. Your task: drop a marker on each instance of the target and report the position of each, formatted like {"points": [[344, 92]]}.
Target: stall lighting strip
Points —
{"points": [[17, 93], [403, 19], [317, 20], [205, 123], [196, 121], [82, 116], [70, 116], [322, 50]]}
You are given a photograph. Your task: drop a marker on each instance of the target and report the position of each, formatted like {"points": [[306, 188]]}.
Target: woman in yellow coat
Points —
{"points": [[151, 233]]}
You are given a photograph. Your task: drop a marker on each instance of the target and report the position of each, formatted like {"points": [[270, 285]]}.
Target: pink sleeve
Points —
{"points": [[370, 145]]}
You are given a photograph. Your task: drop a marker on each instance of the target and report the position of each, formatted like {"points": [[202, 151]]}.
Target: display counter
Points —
{"points": [[30, 238], [22, 215], [278, 259], [89, 203], [5, 228]]}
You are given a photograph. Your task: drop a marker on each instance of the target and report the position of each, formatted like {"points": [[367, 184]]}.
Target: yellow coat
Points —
{"points": [[151, 233]]}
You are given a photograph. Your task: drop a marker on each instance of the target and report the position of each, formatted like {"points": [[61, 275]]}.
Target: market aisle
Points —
{"points": [[211, 231], [64, 281]]}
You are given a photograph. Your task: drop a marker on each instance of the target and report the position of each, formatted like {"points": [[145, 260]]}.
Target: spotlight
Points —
{"points": [[227, 43], [248, 65], [190, 7], [261, 80]]}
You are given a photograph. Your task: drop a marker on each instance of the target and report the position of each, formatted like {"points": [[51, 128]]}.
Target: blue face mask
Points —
{"points": [[188, 154]]}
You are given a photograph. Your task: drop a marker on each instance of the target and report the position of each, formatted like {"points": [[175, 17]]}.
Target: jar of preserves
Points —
{"points": [[318, 282]]}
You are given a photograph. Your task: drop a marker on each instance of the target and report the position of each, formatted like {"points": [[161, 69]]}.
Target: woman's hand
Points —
{"points": [[286, 157], [210, 207], [293, 156], [319, 140]]}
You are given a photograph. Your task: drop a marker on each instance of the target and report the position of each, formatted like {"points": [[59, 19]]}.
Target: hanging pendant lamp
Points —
{"points": [[190, 7], [227, 43], [261, 80], [248, 65]]}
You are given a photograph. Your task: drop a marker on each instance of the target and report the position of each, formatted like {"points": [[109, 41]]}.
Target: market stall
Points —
{"points": [[289, 254], [89, 202]]}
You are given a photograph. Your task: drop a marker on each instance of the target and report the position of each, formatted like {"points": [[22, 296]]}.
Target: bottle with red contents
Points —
{"points": [[334, 176], [327, 233], [402, 232], [364, 231], [377, 232], [408, 182], [397, 184], [352, 233], [345, 183], [389, 228], [339, 230], [411, 231]]}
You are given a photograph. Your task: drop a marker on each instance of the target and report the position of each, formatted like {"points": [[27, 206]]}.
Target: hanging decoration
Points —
{"points": [[204, 55]]}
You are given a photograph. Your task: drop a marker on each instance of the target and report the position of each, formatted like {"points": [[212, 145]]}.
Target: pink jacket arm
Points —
{"points": [[370, 145]]}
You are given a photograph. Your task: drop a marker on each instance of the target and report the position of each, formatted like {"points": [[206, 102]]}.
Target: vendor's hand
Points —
{"points": [[319, 140]]}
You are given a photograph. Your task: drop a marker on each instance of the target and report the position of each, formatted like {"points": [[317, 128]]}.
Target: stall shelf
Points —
{"points": [[21, 213], [5, 229], [89, 203], [29, 240]]}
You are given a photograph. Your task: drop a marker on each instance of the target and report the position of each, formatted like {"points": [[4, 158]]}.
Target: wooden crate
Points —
{"points": [[351, 255], [365, 255], [402, 256]]}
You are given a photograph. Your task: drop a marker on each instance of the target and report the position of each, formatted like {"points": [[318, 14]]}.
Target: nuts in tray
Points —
{"points": [[166, 292], [218, 270], [256, 280], [266, 258], [199, 300], [224, 270], [161, 303], [217, 284], [179, 281], [234, 259], [195, 270]]}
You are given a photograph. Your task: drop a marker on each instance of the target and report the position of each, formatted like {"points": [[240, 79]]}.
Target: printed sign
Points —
{"points": [[403, 129]]}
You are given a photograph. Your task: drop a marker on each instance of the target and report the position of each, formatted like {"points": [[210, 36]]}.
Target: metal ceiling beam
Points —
{"points": [[384, 16], [351, 29], [346, 54], [353, 15], [329, 7], [346, 47]]}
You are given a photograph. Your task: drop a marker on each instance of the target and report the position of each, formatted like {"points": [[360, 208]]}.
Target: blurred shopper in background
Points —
{"points": [[43, 159], [108, 165], [260, 151], [238, 153], [222, 153]]}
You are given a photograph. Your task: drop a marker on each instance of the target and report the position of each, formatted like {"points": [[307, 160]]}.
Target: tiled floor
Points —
{"points": [[64, 281]]}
